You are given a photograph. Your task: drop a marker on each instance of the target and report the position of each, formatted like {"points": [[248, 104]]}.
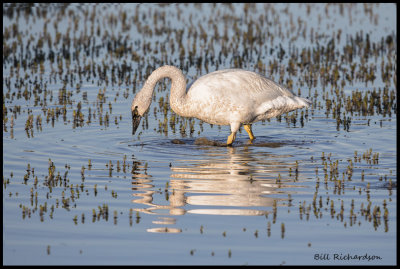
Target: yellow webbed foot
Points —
{"points": [[247, 127], [231, 138]]}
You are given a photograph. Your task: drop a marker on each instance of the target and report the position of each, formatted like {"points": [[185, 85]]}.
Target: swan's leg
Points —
{"points": [[234, 128], [247, 127], [231, 138]]}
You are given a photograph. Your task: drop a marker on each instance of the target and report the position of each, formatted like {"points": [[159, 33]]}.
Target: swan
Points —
{"points": [[232, 97]]}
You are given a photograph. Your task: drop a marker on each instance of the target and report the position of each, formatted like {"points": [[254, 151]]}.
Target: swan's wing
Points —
{"points": [[246, 93], [240, 86]]}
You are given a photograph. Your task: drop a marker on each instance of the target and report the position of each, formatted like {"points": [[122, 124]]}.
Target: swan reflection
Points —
{"points": [[225, 181], [164, 230]]}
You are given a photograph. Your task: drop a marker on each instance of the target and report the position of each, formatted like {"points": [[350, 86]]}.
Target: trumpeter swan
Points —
{"points": [[232, 97]]}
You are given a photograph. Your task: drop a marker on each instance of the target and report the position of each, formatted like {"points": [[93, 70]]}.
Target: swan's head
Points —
{"points": [[136, 117], [140, 105]]}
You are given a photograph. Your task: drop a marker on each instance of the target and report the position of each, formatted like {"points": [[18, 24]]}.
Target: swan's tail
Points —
{"points": [[281, 105], [303, 101]]}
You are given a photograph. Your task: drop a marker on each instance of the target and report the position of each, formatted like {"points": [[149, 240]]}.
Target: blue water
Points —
{"points": [[171, 203]]}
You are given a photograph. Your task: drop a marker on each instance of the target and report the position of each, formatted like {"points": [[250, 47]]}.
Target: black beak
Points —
{"points": [[135, 120]]}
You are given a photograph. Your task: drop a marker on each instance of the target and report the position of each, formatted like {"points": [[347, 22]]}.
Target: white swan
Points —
{"points": [[232, 97]]}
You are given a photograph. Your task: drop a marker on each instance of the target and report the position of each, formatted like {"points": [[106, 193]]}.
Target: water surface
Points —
{"points": [[316, 187]]}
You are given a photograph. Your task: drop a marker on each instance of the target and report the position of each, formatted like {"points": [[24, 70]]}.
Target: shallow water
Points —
{"points": [[309, 191]]}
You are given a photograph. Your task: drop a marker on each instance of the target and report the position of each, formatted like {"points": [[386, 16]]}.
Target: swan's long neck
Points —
{"points": [[178, 90]]}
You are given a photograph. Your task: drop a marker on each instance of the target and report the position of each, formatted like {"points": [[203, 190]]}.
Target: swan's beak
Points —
{"points": [[135, 120]]}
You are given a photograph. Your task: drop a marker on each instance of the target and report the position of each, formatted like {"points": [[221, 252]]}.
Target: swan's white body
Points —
{"points": [[226, 97]]}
